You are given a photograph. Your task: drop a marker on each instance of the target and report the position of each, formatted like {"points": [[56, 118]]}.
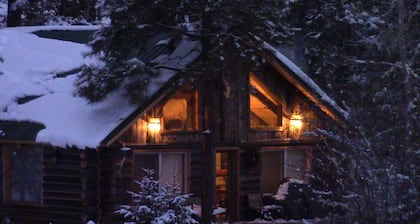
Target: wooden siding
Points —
{"points": [[121, 179], [231, 113], [181, 137], [1, 178], [62, 200], [90, 182], [232, 110]]}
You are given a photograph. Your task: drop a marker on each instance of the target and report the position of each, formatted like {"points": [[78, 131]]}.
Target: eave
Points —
{"points": [[140, 111]]}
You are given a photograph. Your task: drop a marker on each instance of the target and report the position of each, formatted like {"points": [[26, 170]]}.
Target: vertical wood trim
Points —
{"points": [[187, 171], [280, 114], [6, 174], [233, 212], [236, 174]]}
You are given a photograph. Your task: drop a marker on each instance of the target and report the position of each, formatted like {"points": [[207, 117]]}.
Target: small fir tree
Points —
{"points": [[156, 204]]}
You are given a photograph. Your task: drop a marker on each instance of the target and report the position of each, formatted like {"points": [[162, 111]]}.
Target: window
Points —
{"points": [[169, 167], [265, 110], [279, 164], [179, 112], [23, 174]]}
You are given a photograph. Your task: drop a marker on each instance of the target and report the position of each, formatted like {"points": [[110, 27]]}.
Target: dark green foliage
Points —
{"points": [[4, 220], [47, 12], [154, 203], [366, 55], [133, 22]]}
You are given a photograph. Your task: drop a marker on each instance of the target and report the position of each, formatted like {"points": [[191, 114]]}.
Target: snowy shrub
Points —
{"points": [[4, 220], [156, 204]]}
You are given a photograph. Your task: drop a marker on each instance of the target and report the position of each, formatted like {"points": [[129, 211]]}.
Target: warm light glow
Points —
{"points": [[154, 125], [296, 121]]}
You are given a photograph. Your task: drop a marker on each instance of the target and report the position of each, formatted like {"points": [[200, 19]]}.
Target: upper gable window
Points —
{"points": [[265, 110], [179, 112]]}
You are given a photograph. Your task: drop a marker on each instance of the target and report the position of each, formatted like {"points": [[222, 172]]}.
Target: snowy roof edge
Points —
{"points": [[31, 29], [303, 77], [140, 110]]}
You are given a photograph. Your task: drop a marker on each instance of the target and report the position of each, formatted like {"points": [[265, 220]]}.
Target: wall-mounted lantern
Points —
{"points": [[154, 125], [296, 121], [153, 129], [296, 124]]}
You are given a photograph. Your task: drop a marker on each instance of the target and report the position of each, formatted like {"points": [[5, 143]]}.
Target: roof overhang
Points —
{"points": [[22, 131], [140, 111], [306, 90]]}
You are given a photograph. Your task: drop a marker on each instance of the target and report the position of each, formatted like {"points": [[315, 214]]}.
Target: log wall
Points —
{"points": [[63, 197]]}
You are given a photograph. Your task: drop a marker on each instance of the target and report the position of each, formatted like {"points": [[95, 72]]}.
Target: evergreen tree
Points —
{"points": [[366, 54], [133, 20], [212, 23], [156, 204], [47, 12]]}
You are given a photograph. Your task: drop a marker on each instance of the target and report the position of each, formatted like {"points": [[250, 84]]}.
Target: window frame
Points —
{"points": [[7, 169], [190, 94], [284, 150], [266, 96], [184, 152]]}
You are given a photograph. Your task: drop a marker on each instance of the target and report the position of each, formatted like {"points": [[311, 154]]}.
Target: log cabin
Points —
{"points": [[67, 161]]}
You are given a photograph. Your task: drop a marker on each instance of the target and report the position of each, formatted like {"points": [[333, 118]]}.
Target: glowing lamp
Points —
{"points": [[296, 122], [154, 125]]}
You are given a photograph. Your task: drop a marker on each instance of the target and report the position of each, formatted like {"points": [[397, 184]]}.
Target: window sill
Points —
{"points": [[266, 129], [180, 132]]}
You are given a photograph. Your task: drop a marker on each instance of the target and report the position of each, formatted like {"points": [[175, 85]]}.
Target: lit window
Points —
{"points": [[265, 110], [175, 114], [23, 174], [179, 111], [280, 164], [169, 168]]}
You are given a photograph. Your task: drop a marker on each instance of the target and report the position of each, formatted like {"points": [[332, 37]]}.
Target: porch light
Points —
{"points": [[296, 122], [154, 125]]}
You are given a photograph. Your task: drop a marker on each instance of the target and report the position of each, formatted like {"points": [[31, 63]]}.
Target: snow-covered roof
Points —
{"points": [[31, 90], [304, 83]]}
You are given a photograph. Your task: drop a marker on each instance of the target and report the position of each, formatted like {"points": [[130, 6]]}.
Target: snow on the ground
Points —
{"points": [[29, 69]]}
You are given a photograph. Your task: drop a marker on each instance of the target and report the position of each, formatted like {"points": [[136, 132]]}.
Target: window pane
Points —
{"points": [[261, 114], [146, 161], [25, 174], [296, 164], [172, 169], [272, 170], [175, 114], [265, 110], [169, 168]]}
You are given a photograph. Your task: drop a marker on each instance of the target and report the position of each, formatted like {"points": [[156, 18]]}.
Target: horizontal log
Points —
{"points": [[58, 179], [63, 195], [54, 186], [64, 166], [60, 201], [61, 172]]}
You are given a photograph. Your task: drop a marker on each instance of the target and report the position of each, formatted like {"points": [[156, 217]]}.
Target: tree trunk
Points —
{"points": [[13, 14], [208, 169]]}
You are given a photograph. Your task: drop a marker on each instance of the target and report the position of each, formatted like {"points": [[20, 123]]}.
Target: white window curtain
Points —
{"points": [[172, 169]]}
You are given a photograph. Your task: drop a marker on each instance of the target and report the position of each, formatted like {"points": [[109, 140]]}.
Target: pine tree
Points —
{"points": [[156, 204], [366, 54], [46, 12], [212, 23], [115, 46]]}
